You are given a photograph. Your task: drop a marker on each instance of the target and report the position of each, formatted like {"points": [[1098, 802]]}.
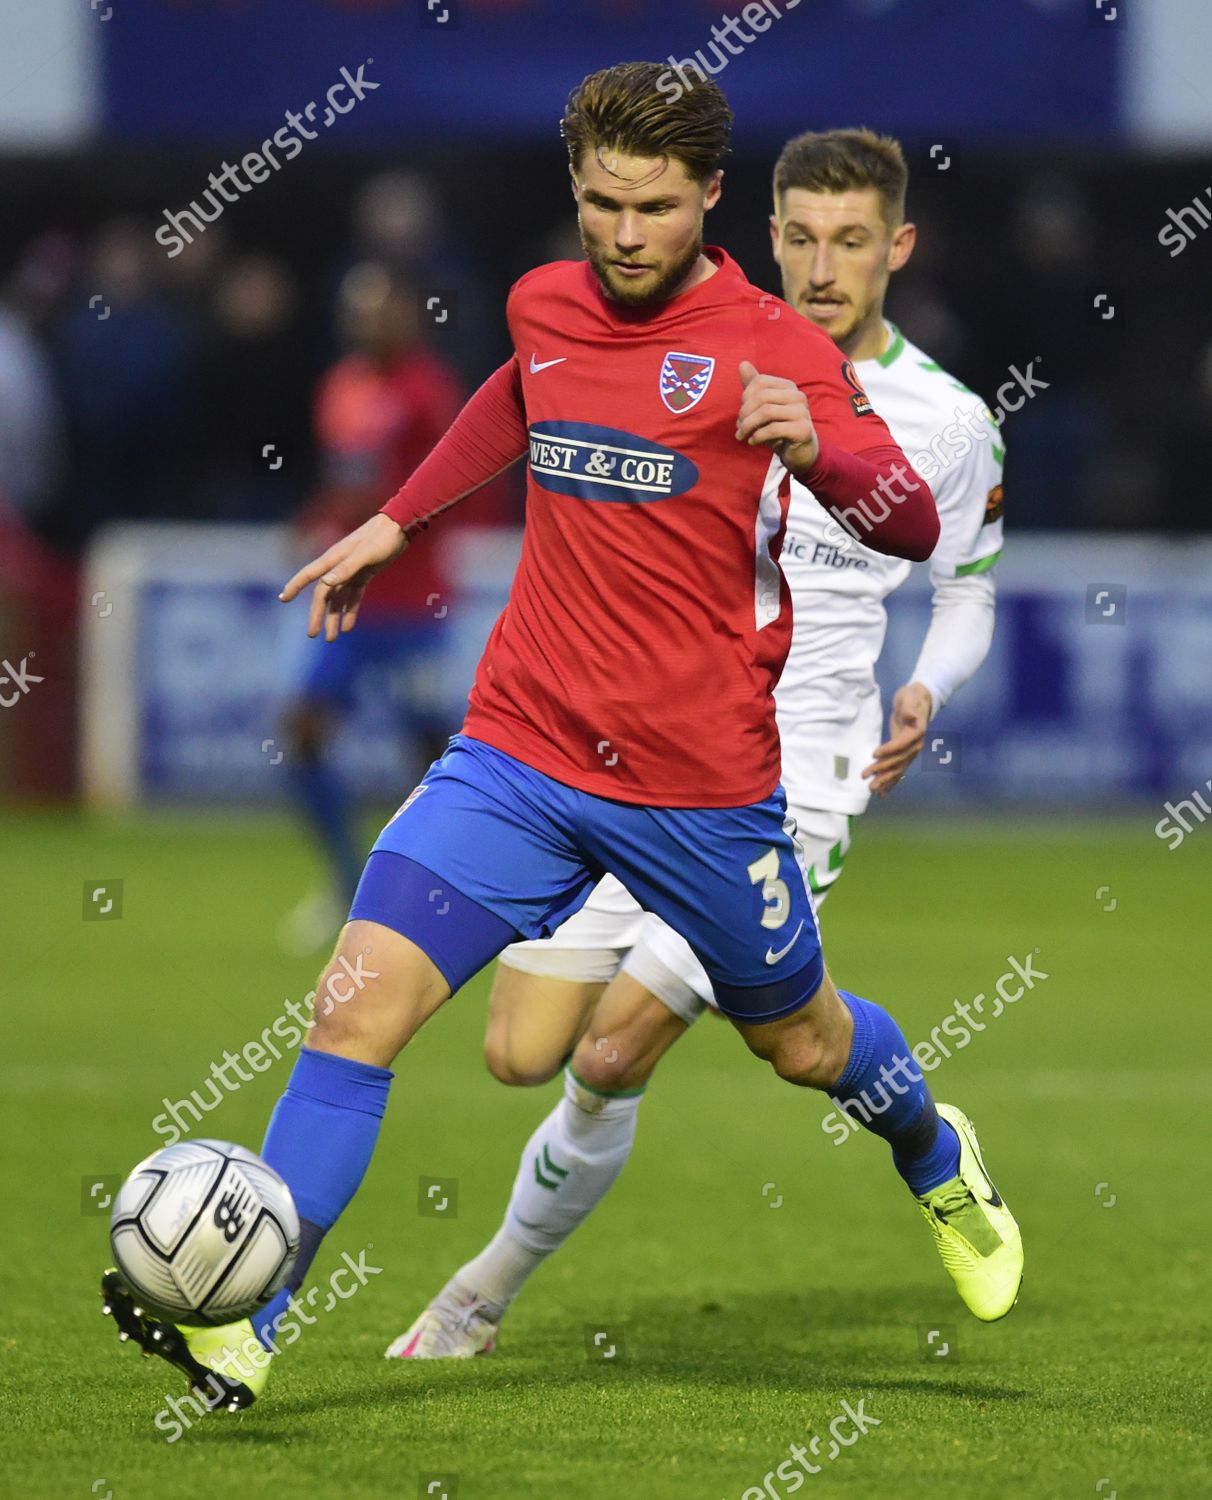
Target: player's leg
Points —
{"points": [[854, 1050], [432, 908], [567, 1167], [373, 996], [543, 995], [323, 679], [544, 992], [661, 989], [732, 881], [434, 905]]}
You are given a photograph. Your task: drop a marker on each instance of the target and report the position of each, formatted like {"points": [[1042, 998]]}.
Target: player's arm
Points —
{"points": [[486, 437], [856, 472], [969, 497]]}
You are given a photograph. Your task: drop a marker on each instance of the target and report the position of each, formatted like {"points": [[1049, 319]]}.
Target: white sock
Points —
{"points": [[568, 1166]]}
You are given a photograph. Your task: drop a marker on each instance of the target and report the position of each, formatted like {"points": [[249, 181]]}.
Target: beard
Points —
{"points": [[644, 294]]}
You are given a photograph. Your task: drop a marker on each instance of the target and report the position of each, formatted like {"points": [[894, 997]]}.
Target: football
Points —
{"points": [[204, 1232]]}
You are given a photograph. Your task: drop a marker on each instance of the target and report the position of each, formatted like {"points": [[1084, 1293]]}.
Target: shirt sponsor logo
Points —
{"points": [[860, 400], [603, 463], [684, 380], [822, 554]]}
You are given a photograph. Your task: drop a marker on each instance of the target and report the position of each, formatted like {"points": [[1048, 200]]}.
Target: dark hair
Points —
{"points": [[639, 109], [834, 161]]}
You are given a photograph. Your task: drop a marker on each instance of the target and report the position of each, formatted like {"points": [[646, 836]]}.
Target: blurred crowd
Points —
{"points": [[135, 385], [138, 386]]}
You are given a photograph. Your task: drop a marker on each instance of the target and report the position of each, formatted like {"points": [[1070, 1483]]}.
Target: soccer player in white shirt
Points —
{"points": [[615, 987]]}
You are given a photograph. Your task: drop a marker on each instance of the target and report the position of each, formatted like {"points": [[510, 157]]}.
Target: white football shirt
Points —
{"points": [[829, 713]]}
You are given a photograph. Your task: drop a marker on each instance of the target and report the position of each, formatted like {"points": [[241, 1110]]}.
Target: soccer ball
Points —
{"points": [[204, 1232]]}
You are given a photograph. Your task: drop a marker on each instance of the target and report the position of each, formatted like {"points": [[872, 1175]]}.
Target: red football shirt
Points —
{"points": [[374, 423], [648, 620]]}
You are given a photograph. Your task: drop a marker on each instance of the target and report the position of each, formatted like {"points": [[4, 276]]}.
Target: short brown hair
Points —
{"points": [[636, 108], [834, 161]]}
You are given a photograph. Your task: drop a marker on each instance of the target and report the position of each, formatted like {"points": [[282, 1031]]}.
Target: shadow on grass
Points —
{"points": [[832, 1343]]}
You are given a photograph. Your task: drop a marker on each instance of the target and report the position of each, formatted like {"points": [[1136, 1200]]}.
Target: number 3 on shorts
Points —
{"points": [[774, 891]]}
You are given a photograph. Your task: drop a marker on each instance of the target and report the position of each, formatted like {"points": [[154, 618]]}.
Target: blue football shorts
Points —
{"points": [[486, 850], [402, 662]]}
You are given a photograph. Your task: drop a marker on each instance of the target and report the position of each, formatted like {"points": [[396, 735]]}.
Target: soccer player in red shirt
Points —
{"points": [[378, 412], [622, 717]]}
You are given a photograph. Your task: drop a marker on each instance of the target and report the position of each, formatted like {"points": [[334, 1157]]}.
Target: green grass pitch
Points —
{"points": [[754, 1274]]}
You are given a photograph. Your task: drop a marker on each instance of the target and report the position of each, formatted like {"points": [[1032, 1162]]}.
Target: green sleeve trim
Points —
{"points": [[981, 565], [894, 350], [605, 1093]]}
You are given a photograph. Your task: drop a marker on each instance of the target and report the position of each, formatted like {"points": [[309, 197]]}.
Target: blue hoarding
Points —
{"points": [[451, 71]]}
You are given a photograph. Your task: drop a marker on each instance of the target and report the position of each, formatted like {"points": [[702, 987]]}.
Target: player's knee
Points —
{"points": [[607, 1065], [510, 1065], [804, 1053], [805, 1060]]}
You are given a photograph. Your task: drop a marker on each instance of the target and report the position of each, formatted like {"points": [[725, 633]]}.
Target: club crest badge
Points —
{"points": [[684, 380]]}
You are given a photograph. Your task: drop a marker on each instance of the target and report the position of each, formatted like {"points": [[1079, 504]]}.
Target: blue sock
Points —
{"points": [[324, 799], [321, 1136], [882, 1088]]}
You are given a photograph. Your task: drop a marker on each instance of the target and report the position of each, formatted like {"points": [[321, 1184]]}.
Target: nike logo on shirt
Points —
{"points": [[772, 957], [535, 366]]}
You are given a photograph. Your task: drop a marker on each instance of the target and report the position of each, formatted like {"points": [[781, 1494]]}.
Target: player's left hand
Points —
{"points": [[774, 413], [907, 725]]}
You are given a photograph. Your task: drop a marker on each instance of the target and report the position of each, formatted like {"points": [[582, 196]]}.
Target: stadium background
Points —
{"points": [[143, 532]]}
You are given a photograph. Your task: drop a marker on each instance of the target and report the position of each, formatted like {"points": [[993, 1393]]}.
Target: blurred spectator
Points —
{"points": [[257, 449], [398, 222], [30, 428], [378, 412], [1039, 312], [129, 362]]}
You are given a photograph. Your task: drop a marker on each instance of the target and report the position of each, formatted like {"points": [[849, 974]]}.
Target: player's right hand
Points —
{"points": [[342, 573]]}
